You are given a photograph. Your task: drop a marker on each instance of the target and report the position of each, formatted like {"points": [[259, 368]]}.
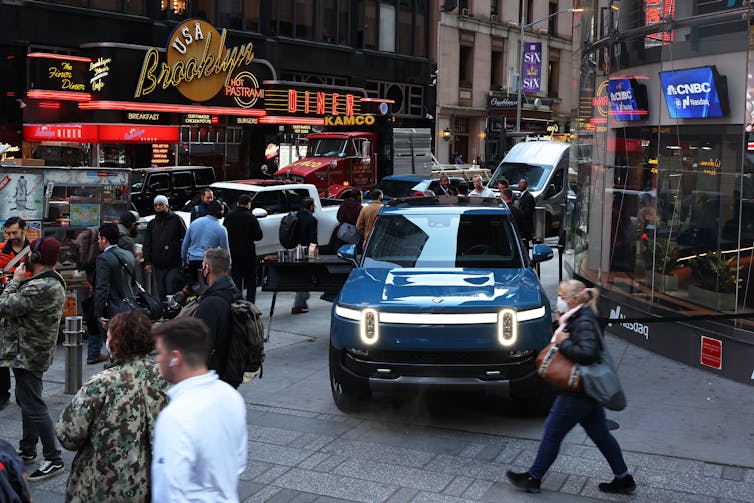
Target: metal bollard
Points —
{"points": [[540, 221], [73, 345]]}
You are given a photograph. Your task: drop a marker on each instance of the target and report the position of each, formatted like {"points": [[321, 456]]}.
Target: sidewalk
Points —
{"points": [[687, 434]]}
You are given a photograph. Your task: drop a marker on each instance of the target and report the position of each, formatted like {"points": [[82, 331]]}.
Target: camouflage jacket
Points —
{"points": [[30, 312], [110, 423]]}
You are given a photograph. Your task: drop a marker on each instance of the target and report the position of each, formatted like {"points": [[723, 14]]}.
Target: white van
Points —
{"points": [[544, 165]]}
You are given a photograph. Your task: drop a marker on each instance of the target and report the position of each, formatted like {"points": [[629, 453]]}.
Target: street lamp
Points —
{"points": [[521, 57]]}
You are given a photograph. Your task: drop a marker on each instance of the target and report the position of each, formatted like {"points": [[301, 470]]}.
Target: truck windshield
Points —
{"points": [[536, 176], [473, 240], [328, 147]]}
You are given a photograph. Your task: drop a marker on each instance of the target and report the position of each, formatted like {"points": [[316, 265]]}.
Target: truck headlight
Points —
{"points": [[507, 327], [369, 329]]}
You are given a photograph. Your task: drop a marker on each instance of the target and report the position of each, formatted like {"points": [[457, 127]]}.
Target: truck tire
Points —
{"points": [[347, 396]]}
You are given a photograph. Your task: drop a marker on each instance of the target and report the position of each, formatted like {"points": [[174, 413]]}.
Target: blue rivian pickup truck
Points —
{"points": [[444, 296]]}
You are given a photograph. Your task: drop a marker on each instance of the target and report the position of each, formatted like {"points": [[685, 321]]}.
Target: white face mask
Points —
{"points": [[561, 305]]}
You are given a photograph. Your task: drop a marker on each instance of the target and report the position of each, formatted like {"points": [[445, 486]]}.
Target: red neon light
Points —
{"points": [[47, 55], [378, 100], [55, 105], [137, 133], [82, 133], [160, 107], [58, 95], [311, 121], [10, 94]]}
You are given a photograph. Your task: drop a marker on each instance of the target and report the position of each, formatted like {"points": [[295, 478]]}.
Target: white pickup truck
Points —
{"points": [[272, 201]]}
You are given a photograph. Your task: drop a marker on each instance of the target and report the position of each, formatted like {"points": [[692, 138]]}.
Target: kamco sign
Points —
{"points": [[198, 65]]}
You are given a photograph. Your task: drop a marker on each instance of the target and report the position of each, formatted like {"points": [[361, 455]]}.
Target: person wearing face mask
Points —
{"points": [[214, 309], [579, 339], [110, 419]]}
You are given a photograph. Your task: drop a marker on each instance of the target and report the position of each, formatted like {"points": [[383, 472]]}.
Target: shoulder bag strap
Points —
{"points": [[130, 273]]}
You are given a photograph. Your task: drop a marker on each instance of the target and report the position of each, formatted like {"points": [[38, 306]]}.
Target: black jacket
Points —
{"points": [[349, 211], [113, 282], [162, 242], [526, 204], [214, 311], [584, 343], [243, 229], [306, 228]]}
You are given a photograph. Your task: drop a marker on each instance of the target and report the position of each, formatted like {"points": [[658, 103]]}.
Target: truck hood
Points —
{"points": [[441, 290], [306, 165]]}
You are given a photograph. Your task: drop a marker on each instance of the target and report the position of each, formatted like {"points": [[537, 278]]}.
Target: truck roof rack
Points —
{"points": [[445, 200]]}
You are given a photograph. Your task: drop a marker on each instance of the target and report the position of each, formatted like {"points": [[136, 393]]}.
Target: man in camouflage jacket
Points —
{"points": [[30, 312], [110, 423]]}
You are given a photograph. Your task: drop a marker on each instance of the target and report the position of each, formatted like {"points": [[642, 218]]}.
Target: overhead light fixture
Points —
{"points": [[446, 134]]}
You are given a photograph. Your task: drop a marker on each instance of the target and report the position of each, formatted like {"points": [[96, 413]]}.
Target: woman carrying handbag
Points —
{"points": [[578, 339]]}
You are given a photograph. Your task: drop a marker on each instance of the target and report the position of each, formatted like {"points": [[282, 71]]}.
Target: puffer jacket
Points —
{"points": [[583, 344], [30, 312]]}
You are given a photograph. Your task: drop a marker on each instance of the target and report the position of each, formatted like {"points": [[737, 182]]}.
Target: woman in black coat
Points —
{"points": [[579, 339]]}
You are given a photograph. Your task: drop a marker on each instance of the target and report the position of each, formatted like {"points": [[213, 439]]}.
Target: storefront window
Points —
{"points": [[661, 195]]}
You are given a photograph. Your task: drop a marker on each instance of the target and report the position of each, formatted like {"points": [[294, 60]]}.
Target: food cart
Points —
{"points": [[60, 202]]}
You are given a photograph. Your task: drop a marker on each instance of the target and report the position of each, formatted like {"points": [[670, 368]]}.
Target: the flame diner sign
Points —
{"points": [[198, 64]]}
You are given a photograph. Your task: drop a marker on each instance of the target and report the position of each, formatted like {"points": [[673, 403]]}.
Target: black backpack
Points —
{"points": [[246, 343], [287, 232]]}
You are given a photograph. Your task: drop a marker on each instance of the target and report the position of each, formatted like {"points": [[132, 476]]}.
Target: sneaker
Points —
{"points": [[46, 470], [625, 485], [299, 310], [524, 481], [98, 359], [25, 457]]}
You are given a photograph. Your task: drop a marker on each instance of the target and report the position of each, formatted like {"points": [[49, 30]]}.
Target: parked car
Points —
{"points": [[444, 296], [177, 183], [406, 185]]}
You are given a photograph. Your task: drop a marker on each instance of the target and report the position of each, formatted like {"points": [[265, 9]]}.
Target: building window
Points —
{"points": [[229, 14], [553, 78], [405, 29], [387, 28], [283, 18], [304, 19], [465, 65], [529, 11], [135, 7], [494, 7], [327, 21], [552, 26], [463, 5], [110, 5], [344, 22], [420, 29], [370, 24], [496, 70], [172, 9], [251, 14]]}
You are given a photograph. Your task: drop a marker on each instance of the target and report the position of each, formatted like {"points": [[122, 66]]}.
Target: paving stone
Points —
{"points": [[379, 452], [259, 433], [411, 437], [386, 473], [247, 489], [403, 495], [277, 454], [712, 470], [573, 484], [271, 474], [328, 499], [703, 486], [733, 473], [478, 489], [303, 424], [289, 496], [264, 495], [553, 480], [465, 466], [458, 485], [254, 469], [749, 476], [335, 486], [312, 461], [423, 497], [328, 465]]}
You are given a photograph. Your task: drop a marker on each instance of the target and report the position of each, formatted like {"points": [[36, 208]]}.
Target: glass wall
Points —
{"points": [[662, 204]]}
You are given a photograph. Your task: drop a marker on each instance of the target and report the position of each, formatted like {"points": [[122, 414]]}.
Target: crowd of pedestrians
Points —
{"points": [[137, 438]]}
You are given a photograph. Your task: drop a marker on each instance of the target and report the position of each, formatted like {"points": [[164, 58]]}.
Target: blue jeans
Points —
{"points": [[568, 410]]}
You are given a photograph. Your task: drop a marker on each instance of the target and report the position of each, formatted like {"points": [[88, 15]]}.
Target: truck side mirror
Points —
{"points": [[366, 150], [551, 191]]}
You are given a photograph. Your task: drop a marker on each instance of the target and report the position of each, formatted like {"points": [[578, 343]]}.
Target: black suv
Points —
{"points": [[178, 183]]}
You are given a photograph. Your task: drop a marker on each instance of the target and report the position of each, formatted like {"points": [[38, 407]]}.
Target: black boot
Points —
{"points": [[524, 481], [625, 485]]}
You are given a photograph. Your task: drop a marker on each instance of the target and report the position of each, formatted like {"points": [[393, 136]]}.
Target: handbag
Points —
{"points": [[601, 381], [558, 370], [143, 300], [348, 233]]}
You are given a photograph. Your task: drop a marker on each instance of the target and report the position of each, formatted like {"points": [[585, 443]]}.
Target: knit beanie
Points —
{"points": [[49, 251]]}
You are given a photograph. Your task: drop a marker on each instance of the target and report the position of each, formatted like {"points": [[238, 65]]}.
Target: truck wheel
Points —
{"points": [[346, 397]]}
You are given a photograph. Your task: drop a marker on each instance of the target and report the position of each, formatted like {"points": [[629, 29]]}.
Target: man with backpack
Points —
{"points": [[214, 310]]}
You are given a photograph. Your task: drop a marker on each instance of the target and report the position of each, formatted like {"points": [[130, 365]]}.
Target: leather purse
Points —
{"points": [[143, 300], [558, 370]]}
